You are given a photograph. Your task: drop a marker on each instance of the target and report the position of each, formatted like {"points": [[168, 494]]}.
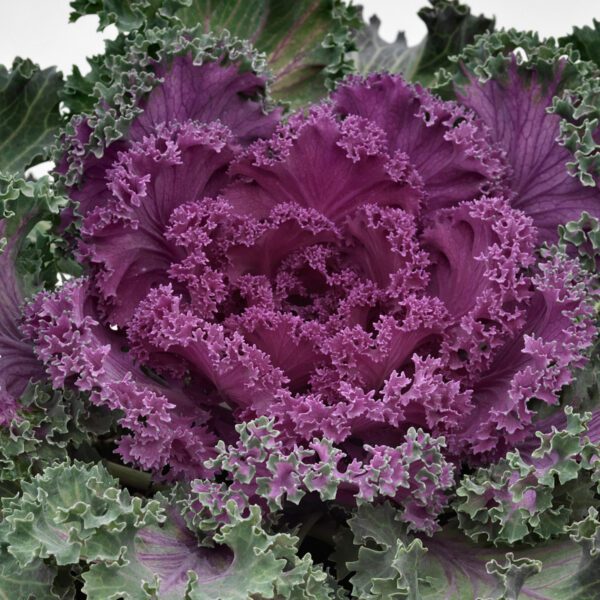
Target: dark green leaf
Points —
{"points": [[127, 15], [450, 27], [29, 114], [305, 41], [586, 40]]}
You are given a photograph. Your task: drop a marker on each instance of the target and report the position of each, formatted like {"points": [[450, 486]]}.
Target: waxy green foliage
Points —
{"points": [[50, 426], [29, 210], [450, 27], [584, 235], [305, 42], [72, 512], [29, 113], [242, 560], [390, 570], [396, 566], [532, 498], [524, 528]]}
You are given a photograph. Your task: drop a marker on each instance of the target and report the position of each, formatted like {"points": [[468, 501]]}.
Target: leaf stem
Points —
{"points": [[128, 476]]}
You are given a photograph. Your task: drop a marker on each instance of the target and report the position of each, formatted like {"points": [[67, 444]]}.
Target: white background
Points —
{"points": [[39, 29]]}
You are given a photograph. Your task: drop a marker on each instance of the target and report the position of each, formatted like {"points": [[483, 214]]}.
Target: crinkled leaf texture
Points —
{"points": [[229, 281], [305, 42], [259, 470], [160, 76], [450, 27], [27, 210], [542, 111], [48, 425], [244, 561], [29, 115], [531, 496], [395, 566], [72, 512]]}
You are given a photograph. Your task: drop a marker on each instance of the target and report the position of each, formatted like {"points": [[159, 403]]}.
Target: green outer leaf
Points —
{"points": [[51, 424], [32, 582], [31, 208], [243, 561], [584, 236], [29, 115], [389, 571], [586, 40], [127, 15], [529, 499], [72, 512], [458, 569], [513, 573], [305, 41], [450, 566], [450, 27]]}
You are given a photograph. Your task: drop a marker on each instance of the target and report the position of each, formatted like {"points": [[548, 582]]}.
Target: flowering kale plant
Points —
{"points": [[300, 314]]}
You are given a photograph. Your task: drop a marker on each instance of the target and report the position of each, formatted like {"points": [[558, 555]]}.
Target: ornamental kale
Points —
{"points": [[285, 324]]}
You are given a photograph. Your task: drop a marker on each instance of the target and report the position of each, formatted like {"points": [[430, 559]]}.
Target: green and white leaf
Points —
{"points": [[243, 561], [72, 512], [530, 499], [449, 565]]}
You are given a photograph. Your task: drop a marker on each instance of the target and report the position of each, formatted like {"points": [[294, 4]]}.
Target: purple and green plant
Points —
{"points": [[284, 323]]}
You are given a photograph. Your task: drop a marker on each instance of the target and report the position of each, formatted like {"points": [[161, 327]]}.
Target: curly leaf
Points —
{"points": [[123, 79], [28, 210], [50, 423], [449, 565], [457, 568], [243, 561], [531, 498], [72, 512], [513, 574], [305, 41], [261, 471], [129, 15], [390, 569], [29, 115], [27, 262], [587, 533], [553, 92], [450, 27], [29, 583], [584, 235]]}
